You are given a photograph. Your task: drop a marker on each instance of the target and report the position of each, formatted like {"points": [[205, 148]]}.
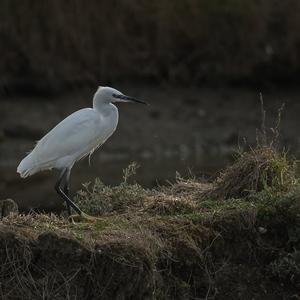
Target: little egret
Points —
{"points": [[75, 137]]}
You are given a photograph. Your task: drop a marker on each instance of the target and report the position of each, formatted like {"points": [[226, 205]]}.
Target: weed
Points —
{"points": [[100, 199], [262, 168]]}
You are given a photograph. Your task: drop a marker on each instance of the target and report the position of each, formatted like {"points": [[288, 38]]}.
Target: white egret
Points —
{"points": [[75, 137]]}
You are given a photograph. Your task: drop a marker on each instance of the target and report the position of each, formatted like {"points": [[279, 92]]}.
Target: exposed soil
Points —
{"points": [[218, 250]]}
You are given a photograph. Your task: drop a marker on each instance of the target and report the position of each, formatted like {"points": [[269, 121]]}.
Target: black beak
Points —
{"points": [[129, 99]]}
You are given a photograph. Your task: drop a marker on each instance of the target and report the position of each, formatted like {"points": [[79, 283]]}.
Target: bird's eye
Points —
{"points": [[117, 96]]}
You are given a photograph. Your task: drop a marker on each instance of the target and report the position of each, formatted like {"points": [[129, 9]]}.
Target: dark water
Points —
{"points": [[37, 192], [190, 131]]}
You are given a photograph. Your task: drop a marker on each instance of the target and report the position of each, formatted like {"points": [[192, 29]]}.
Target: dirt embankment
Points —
{"points": [[190, 240]]}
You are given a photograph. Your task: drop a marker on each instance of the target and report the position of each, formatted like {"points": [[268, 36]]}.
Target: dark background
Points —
{"points": [[200, 64], [47, 46]]}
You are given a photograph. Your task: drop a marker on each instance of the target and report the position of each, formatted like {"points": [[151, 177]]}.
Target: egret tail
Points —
{"points": [[27, 167]]}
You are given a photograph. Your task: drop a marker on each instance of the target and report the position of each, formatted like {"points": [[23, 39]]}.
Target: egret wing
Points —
{"points": [[76, 135]]}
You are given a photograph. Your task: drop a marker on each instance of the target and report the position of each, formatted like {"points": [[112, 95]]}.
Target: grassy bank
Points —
{"points": [[48, 45], [190, 240]]}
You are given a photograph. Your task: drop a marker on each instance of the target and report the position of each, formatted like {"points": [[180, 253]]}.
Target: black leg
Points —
{"points": [[67, 189], [62, 193]]}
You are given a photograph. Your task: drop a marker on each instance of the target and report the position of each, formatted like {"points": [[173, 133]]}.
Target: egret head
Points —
{"points": [[110, 95]]}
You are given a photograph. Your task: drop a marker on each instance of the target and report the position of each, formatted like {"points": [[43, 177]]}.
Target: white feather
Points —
{"points": [[72, 139]]}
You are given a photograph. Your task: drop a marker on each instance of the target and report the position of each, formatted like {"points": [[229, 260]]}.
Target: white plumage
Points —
{"points": [[74, 138], [70, 140]]}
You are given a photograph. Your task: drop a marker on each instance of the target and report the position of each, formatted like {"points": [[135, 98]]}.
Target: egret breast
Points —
{"points": [[105, 128]]}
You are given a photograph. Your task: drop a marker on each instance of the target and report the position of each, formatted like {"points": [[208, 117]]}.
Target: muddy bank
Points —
{"points": [[215, 250], [236, 237]]}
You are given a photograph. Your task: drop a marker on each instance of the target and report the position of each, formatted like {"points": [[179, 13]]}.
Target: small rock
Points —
{"points": [[8, 207]]}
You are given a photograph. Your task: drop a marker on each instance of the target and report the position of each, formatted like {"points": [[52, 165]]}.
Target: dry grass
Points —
{"points": [[99, 199], [262, 168], [171, 248], [168, 243]]}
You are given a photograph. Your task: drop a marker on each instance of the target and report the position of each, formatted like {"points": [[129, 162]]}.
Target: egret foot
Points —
{"points": [[83, 218]]}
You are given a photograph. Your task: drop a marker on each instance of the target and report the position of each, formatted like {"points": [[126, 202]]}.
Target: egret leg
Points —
{"points": [[62, 193], [67, 189]]}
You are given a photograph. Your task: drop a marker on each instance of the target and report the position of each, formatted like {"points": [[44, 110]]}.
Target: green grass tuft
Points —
{"points": [[100, 199]]}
